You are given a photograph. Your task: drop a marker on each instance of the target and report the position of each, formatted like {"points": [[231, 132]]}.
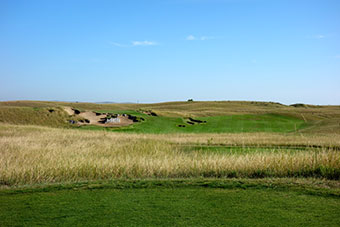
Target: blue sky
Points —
{"points": [[168, 50]]}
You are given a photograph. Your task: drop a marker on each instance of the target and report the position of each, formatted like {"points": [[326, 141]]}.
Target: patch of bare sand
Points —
{"points": [[69, 110], [124, 121], [91, 116], [97, 119]]}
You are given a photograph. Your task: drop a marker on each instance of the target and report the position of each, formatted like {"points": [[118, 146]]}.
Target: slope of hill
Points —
{"points": [[324, 119]]}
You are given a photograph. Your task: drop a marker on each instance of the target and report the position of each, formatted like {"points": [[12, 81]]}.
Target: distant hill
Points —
{"points": [[319, 118]]}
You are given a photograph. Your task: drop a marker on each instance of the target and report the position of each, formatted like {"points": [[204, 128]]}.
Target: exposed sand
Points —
{"points": [[96, 120], [69, 110]]}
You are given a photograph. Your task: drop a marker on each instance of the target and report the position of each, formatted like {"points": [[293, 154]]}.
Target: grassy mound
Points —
{"points": [[46, 116]]}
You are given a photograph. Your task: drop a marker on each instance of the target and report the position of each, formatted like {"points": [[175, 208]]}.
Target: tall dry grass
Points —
{"points": [[34, 116], [255, 139], [31, 154]]}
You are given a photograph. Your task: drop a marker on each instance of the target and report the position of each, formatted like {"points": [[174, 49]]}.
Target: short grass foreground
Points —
{"points": [[171, 203]]}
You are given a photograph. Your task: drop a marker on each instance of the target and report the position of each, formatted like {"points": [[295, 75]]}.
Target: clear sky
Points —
{"points": [[285, 51]]}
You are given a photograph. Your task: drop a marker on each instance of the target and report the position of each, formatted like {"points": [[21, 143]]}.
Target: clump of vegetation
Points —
{"points": [[148, 112], [193, 121], [135, 118], [76, 111], [299, 105]]}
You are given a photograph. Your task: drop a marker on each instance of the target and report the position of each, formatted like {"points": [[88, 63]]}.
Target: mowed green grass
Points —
{"points": [[167, 206], [214, 124]]}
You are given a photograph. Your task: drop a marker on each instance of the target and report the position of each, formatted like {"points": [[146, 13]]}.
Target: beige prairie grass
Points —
{"points": [[254, 139], [198, 108], [30, 155]]}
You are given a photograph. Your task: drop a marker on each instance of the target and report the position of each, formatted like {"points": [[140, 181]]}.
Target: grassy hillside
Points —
{"points": [[53, 117], [198, 108], [45, 116], [220, 116]]}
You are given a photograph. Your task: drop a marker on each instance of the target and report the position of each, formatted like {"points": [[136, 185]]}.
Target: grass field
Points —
{"points": [[171, 203], [250, 163], [31, 154], [214, 124]]}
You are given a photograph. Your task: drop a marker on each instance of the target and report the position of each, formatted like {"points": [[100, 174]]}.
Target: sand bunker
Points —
{"points": [[69, 110], [94, 118]]}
